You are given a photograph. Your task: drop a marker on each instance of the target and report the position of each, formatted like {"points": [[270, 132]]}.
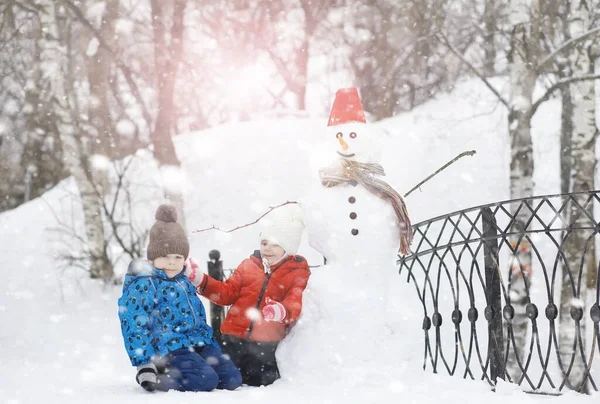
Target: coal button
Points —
{"points": [[352, 199], [354, 232], [353, 215]]}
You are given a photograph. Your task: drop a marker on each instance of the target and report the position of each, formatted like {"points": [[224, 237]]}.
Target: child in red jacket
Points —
{"points": [[265, 294]]}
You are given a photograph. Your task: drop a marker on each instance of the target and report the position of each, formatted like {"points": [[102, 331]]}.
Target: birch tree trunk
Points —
{"points": [[566, 130], [524, 19], [578, 245], [53, 61], [566, 116]]}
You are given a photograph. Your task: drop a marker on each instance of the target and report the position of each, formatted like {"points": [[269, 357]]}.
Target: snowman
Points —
{"points": [[359, 224], [355, 218]]}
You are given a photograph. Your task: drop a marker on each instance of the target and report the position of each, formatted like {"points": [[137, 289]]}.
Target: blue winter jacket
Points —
{"points": [[159, 315]]}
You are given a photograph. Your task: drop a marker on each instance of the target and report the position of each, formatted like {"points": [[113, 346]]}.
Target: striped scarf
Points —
{"points": [[364, 174]]}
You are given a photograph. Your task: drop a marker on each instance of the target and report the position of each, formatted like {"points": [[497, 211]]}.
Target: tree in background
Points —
{"points": [[490, 29], [579, 269], [396, 55], [292, 62], [168, 29], [31, 154], [524, 51], [56, 78]]}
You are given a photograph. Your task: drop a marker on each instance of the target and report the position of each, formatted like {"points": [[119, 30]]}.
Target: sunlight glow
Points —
{"points": [[247, 83]]}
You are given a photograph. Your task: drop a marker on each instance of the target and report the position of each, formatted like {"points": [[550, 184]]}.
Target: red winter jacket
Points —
{"points": [[248, 288]]}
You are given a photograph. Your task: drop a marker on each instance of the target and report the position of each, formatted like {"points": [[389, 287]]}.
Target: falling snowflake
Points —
{"points": [[253, 314], [100, 162], [92, 47], [125, 127]]}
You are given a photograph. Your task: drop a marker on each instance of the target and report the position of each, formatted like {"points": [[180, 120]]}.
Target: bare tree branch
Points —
{"points": [[559, 84], [30, 8], [121, 176], [566, 46], [271, 208], [447, 43], [463, 154]]}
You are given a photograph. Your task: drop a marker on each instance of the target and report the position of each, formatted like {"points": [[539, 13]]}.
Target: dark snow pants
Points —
{"points": [[201, 369], [256, 360]]}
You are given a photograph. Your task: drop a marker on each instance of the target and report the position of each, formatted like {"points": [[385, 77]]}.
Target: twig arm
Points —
{"points": [[271, 208], [463, 154]]}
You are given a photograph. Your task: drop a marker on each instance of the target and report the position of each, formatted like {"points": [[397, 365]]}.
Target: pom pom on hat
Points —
{"points": [[284, 226], [166, 213]]}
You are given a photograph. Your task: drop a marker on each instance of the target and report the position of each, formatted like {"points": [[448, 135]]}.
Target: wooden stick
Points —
{"points": [[467, 153], [271, 208]]}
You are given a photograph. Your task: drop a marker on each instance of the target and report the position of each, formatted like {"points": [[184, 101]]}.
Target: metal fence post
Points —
{"points": [[217, 313], [493, 311]]}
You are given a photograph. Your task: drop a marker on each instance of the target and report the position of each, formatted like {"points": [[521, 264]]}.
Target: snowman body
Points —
{"points": [[350, 226], [349, 315]]}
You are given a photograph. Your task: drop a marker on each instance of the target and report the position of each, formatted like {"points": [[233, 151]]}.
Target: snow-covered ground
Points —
{"points": [[60, 333]]}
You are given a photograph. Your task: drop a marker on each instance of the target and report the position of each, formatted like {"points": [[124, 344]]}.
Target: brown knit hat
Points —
{"points": [[167, 236]]}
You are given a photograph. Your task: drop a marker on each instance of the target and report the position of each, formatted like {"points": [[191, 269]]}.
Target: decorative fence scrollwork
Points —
{"points": [[510, 290]]}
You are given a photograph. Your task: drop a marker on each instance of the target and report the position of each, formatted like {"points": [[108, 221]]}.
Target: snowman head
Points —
{"points": [[353, 141], [348, 130]]}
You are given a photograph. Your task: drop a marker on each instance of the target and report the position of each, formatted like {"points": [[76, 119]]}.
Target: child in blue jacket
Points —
{"points": [[163, 321]]}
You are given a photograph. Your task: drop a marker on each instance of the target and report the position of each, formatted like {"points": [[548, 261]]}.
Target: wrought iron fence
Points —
{"points": [[504, 289]]}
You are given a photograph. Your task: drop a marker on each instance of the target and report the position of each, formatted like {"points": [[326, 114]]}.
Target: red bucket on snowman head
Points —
{"points": [[346, 108]]}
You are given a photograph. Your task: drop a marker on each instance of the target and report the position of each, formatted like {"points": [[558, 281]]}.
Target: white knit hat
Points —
{"points": [[284, 226]]}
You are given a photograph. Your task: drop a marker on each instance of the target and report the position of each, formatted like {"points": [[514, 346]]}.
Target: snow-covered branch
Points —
{"points": [[447, 43], [566, 46], [271, 208], [559, 84]]}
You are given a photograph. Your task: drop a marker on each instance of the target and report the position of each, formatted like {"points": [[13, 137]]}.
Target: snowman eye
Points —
{"points": [[339, 135], [352, 135]]}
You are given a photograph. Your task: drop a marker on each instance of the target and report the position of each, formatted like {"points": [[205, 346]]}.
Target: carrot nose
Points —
{"points": [[343, 143]]}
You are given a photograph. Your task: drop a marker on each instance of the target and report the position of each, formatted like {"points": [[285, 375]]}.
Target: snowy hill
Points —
{"points": [[60, 332]]}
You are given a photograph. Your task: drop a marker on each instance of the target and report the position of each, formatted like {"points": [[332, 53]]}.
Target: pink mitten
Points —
{"points": [[273, 311], [191, 271]]}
